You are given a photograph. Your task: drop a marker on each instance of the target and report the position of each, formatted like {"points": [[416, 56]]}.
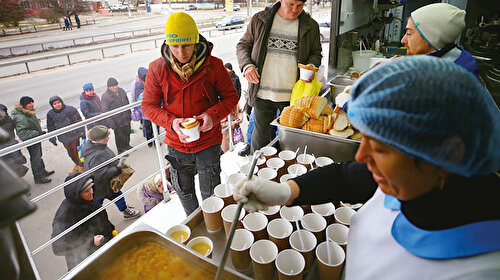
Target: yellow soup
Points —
{"points": [[179, 235], [150, 260], [201, 248]]}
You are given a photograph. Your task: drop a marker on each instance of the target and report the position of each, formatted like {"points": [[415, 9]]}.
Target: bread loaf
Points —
{"points": [[341, 122], [343, 134], [327, 111], [293, 117], [313, 105]]}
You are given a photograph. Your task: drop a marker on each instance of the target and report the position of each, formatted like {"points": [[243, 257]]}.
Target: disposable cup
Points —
{"points": [[343, 215], [291, 214], [261, 162], [338, 233], [224, 191], [177, 233], [288, 156], [212, 208], [286, 177], [263, 253], [322, 161], [193, 133], [240, 249], [256, 223], [245, 168], [201, 239], [267, 173], [325, 210], [330, 269], [233, 179], [279, 231], [278, 165], [272, 212], [228, 216], [268, 152], [304, 244], [290, 265], [305, 74], [306, 160], [316, 224], [355, 206], [297, 169]]}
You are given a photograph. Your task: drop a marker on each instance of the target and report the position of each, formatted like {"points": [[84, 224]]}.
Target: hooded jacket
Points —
{"points": [[112, 100], [27, 125], [67, 115], [14, 160], [79, 243], [209, 90], [139, 82], [91, 106], [252, 48], [95, 154]]}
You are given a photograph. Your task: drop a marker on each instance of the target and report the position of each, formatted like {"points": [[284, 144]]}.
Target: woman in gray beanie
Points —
{"points": [[426, 172]]}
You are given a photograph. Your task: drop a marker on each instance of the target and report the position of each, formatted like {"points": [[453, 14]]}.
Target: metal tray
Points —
{"points": [[319, 144], [104, 258], [338, 83]]}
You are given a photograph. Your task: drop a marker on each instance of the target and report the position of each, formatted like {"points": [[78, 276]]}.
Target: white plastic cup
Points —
{"points": [[316, 224], [240, 249], [245, 168], [176, 228], [292, 214], [201, 239], [263, 253], [325, 210], [279, 231], [306, 160], [267, 173], [304, 244], [272, 212], [290, 265], [306, 74], [286, 177], [338, 233], [288, 156], [212, 208], [268, 152], [352, 206], [323, 161], [278, 165], [256, 223], [228, 216], [297, 169], [330, 269], [233, 179], [224, 191], [193, 133], [343, 215]]}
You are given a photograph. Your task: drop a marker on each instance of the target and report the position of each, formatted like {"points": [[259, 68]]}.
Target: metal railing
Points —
{"points": [[36, 28]]}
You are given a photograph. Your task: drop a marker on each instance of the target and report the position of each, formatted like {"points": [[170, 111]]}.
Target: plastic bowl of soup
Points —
{"points": [[180, 233], [201, 245]]}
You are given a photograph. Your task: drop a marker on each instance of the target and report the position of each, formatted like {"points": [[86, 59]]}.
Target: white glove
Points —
{"points": [[257, 193]]}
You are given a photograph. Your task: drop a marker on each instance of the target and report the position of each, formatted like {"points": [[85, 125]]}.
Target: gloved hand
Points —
{"points": [[119, 169], [258, 193], [53, 141]]}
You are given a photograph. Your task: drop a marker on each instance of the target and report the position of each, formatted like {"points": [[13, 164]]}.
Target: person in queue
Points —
{"points": [[186, 82], [433, 29], [90, 105], [276, 40], [430, 142]]}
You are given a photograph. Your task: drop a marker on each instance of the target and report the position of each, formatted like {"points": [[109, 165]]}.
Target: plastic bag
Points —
{"points": [[79, 149], [302, 88]]}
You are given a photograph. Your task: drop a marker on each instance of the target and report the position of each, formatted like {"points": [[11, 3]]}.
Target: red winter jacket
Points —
{"points": [[166, 97]]}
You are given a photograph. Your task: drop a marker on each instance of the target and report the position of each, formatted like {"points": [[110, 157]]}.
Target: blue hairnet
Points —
{"points": [[430, 109]]}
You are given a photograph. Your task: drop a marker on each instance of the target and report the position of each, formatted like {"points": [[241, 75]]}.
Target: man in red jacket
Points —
{"points": [[188, 82]]}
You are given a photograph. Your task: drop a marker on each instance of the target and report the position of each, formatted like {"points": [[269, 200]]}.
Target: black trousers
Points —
{"points": [[36, 161], [264, 114], [122, 138]]}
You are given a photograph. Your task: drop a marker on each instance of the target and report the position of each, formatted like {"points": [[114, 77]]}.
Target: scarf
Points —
{"points": [[185, 71]]}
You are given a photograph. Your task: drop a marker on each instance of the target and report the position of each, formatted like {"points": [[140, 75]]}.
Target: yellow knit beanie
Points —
{"points": [[181, 30]]}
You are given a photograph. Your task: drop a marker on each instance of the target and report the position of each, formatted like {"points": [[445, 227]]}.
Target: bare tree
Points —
{"points": [[11, 13]]}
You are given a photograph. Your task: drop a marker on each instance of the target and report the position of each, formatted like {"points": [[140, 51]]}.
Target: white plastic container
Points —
{"points": [[361, 59]]}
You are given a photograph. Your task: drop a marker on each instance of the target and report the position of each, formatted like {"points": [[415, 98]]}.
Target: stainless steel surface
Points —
{"points": [[338, 83], [319, 144], [103, 258]]}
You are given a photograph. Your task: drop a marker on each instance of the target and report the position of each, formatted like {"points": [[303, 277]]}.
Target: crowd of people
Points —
{"points": [[68, 24]]}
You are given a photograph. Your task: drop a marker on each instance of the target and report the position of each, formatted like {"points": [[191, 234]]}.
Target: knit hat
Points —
{"points": [[228, 66], [53, 99], [181, 29], [87, 185], [3, 108], [112, 82], [430, 109], [25, 100], [88, 86], [439, 24], [98, 133]]}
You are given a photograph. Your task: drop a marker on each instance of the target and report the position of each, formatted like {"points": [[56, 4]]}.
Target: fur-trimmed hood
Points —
{"points": [[23, 110]]}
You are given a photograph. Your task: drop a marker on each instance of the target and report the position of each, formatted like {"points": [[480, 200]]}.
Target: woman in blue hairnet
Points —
{"points": [[427, 165]]}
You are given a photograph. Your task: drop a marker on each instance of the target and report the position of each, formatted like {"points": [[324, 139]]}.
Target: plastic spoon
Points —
{"points": [[328, 247], [312, 161], [298, 233]]}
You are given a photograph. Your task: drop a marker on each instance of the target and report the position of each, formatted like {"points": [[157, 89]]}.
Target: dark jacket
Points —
{"points": [[139, 82], [95, 154], [14, 160], [112, 100], [67, 115], [236, 82], [252, 48], [209, 90], [27, 125], [91, 106], [79, 243]]}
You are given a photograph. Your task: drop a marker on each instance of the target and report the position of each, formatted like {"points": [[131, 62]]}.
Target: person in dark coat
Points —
{"points": [[90, 104], [27, 127], [67, 24], [95, 152], [116, 97], [14, 160], [62, 115], [77, 20], [234, 78], [85, 239]]}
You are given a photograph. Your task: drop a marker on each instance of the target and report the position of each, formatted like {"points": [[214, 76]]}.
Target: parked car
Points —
{"points": [[236, 7], [118, 8], [324, 31], [190, 7], [229, 21]]}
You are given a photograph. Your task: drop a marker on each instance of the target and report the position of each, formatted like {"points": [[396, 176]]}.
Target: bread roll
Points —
{"points": [[313, 105], [293, 117]]}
